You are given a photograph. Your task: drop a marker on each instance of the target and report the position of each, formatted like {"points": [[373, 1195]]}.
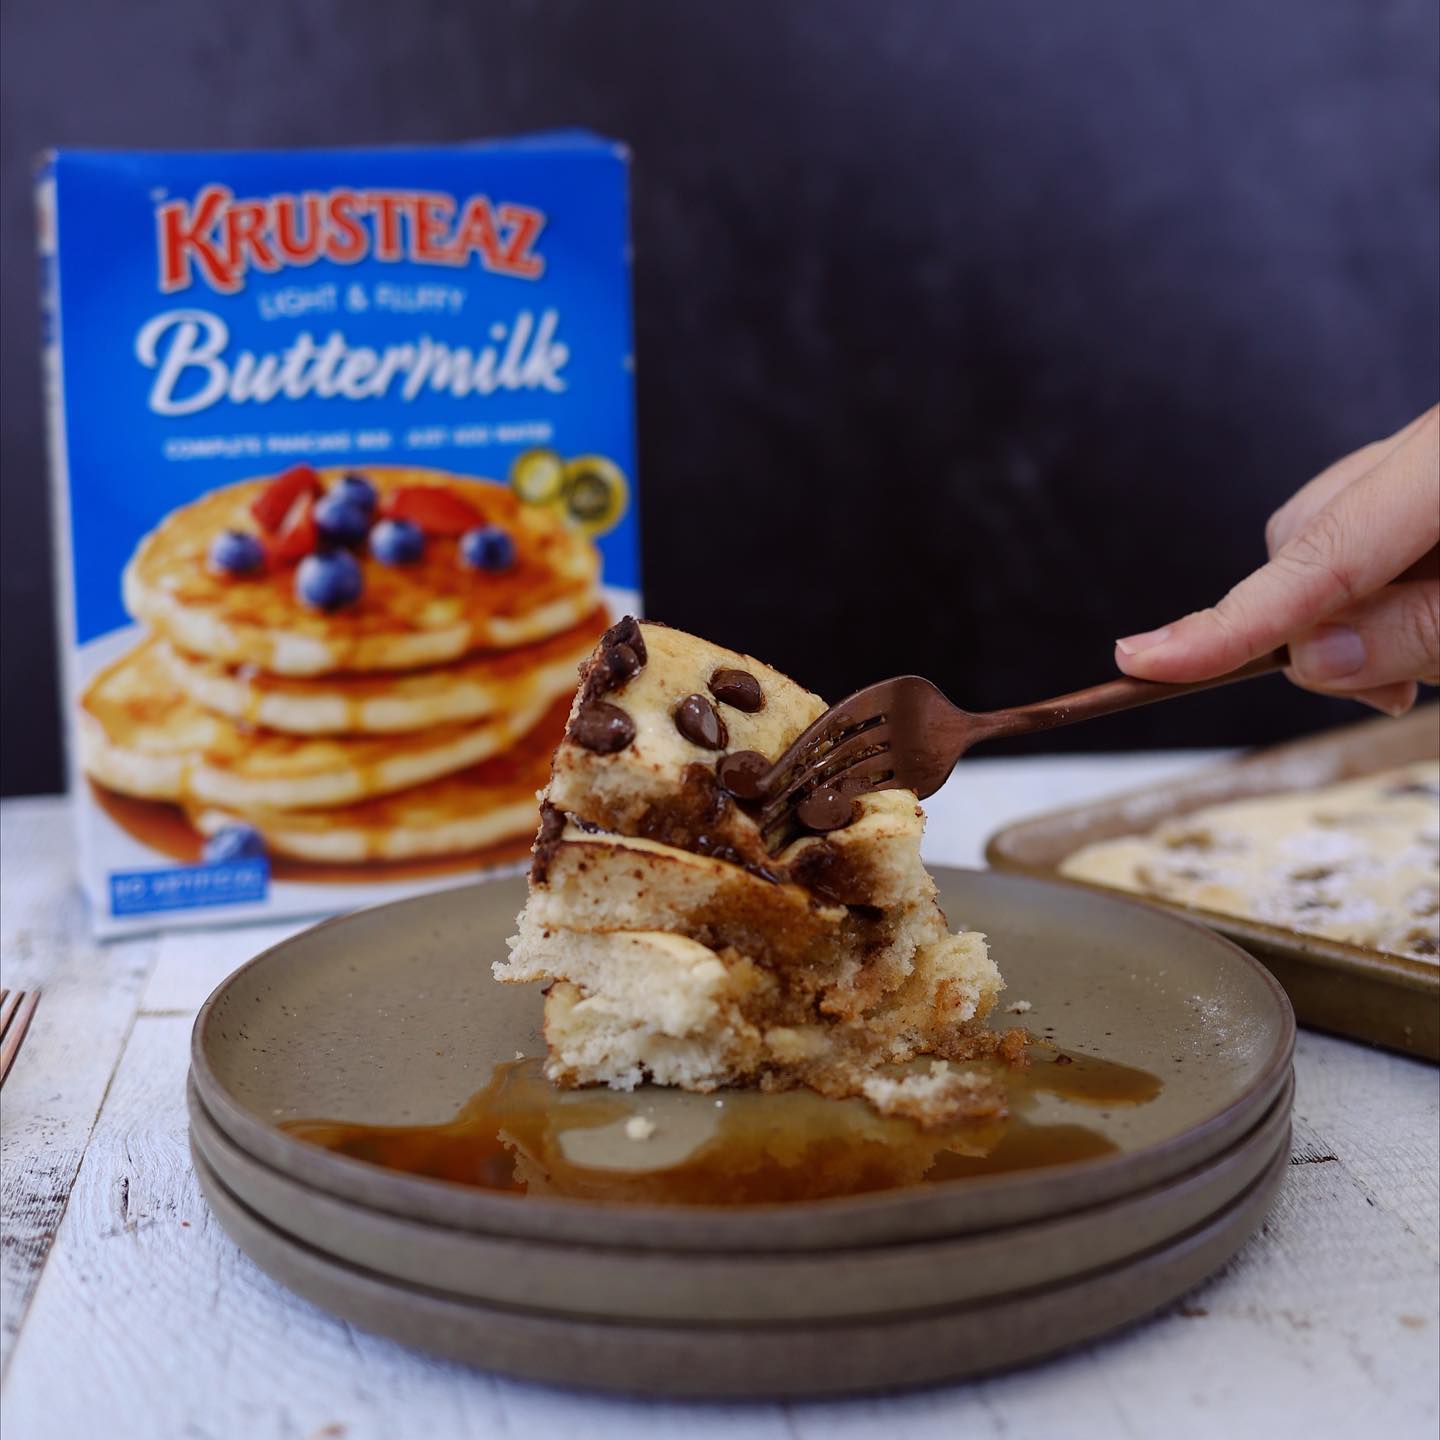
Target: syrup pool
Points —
{"points": [[736, 1147]]}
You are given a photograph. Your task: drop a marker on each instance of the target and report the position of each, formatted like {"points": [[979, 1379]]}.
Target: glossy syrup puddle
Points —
{"points": [[735, 1147]]}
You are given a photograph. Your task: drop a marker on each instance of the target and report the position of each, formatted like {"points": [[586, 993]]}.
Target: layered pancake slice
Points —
{"points": [[680, 950], [484, 806], [414, 611], [477, 687], [140, 736]]}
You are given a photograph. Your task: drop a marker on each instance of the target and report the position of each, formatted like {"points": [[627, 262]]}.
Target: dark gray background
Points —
{"points": [[970, 335]]}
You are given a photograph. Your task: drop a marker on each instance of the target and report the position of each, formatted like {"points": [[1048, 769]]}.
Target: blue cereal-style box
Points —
{"points": [[343, 464]]}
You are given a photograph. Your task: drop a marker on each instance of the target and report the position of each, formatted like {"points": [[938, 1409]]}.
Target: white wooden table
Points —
{"points": [[127, 1312]]}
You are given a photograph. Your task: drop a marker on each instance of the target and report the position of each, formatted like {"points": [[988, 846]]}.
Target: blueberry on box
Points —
{"points": [[329, 580], [235, 553], [358, 491], [340, 520], [234, 842], [488, 548], [397, 542]]}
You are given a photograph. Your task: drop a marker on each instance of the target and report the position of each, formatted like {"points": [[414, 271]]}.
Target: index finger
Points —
{"points": [[1366, 536]]}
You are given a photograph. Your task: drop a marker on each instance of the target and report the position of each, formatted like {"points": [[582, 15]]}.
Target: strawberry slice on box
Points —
{"points": [[272, 507], [435, 510], [297, 534]]}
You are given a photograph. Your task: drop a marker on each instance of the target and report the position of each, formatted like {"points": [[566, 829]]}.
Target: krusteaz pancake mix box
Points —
{"points": [[344, 476]]}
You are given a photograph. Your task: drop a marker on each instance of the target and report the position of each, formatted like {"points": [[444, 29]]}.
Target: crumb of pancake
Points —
{"points": [[938, 1098], [637, 1127], [1013, 1048], [1020, 1007]]}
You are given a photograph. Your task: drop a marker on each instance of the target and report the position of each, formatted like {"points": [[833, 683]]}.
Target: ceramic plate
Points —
{"points": [[1389, 1000], [717, 1288], [751, 1360], [390, 1016]]}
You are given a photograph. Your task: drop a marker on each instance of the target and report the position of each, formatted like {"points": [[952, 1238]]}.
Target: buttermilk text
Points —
{"points": [[196, 366]]}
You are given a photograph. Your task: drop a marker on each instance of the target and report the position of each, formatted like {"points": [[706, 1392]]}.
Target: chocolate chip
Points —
{"points": [[619, 655], [738, 688], [696, 719], [552, 822], [552, 825], [872, 914], [602, 727], [623, 662], [743, 774], [625, 632], [831, 874], [825, 809], [610, 670]]}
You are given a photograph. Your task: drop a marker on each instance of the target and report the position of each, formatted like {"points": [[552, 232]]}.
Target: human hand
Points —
{"points": [[1352, 584]]}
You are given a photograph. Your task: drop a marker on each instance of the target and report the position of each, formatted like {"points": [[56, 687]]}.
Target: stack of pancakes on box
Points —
{"points": [[414, 720]]}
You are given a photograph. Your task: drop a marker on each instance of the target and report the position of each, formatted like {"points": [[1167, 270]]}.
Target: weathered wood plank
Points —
{"points": [[189, 964], [149, 1322], [1324, 1325], [1382, 1114], [54, 1092]]}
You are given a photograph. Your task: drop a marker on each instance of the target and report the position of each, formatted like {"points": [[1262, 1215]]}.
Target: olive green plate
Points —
{"points": [[948, 1343], [390, 1016], [717, 1288], [1388, 1000]]}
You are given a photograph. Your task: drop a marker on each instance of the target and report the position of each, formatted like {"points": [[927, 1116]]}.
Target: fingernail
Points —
{"points": [[1393, 700], [1331, 653], [1134, 644]]}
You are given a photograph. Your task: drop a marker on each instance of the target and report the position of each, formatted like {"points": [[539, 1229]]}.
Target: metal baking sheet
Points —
{"points": [[1387, 1000]]}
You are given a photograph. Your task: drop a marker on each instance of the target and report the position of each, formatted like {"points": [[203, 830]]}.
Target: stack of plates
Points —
{"points": [[390, 1017]]}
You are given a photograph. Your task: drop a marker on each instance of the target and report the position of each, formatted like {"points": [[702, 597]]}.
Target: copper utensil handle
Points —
{"points": [[17, 1007], [1113, 696]]}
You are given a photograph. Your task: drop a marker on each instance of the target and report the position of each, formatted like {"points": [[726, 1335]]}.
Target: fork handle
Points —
{"points": [[1113, 696]]}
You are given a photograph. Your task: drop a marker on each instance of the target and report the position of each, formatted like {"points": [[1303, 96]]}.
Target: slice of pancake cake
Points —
{"points": [[678, 949]]}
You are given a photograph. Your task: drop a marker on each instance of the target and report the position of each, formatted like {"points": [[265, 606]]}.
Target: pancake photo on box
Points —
{"points": [[346, 667]]}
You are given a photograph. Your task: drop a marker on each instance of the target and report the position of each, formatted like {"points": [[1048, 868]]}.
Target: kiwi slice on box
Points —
{"points": [[595, 493], [538, 476]]}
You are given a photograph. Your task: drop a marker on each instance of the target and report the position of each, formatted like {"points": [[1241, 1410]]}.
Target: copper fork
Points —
{"points": [[903, 734], [16, 1009]]}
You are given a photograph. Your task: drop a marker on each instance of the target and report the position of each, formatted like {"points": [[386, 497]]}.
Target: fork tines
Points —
{"points": [[845, 747]]}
